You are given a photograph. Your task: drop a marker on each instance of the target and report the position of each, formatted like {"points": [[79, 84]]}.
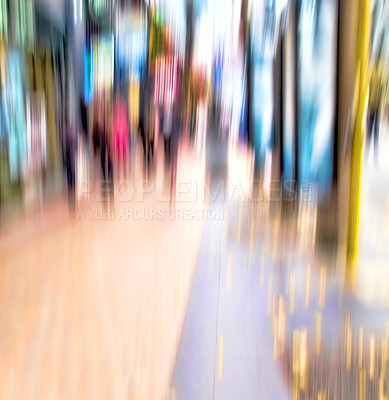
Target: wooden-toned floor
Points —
{"points": [[94, 309]]}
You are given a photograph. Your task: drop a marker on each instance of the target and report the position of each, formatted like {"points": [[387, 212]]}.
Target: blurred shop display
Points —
{"points": [[17, 22], [317, 34], [101, 8], [17, 145], [130, 46], [262, 56], [36, 146], [103, 65], [32, 106]]}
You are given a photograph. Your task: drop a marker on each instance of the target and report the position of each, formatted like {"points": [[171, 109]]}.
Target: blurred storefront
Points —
{"points": [[32, 81], [294, 103], [293, 46], [317, 68]]}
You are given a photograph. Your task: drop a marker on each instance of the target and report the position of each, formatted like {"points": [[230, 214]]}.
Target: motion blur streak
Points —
{"points": [[194, 199]]}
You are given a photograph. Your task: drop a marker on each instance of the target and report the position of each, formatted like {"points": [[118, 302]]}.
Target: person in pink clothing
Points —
{"points": [[120, 134]]}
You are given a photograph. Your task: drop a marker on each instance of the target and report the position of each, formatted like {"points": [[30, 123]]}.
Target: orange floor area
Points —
{"points": [[94, 309]]}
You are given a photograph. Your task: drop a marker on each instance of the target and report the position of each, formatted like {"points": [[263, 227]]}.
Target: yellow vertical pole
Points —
{"points": [[358, 138]]}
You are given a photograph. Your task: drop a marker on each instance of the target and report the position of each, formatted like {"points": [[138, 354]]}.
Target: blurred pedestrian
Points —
{"points": [[151, 131], [102, 143], [144, 120], [84, 118], [120, 134], [106, 150], [175, 137], [167, 121], [98, 131], [71, 145]]}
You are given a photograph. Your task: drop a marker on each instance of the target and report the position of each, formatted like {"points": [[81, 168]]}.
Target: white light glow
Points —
{"points": [[75, 10]]}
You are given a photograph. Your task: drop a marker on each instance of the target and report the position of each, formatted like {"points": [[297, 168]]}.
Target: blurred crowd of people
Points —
{"points": [[109, 138]]}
